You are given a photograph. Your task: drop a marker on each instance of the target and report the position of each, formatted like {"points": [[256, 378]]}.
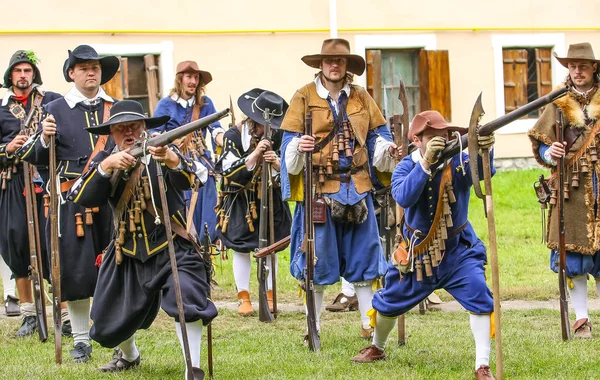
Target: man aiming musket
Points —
{"points": [[137, 266]]}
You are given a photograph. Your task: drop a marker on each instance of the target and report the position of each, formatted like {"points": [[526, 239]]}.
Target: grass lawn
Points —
{"points": [[439, 345]]}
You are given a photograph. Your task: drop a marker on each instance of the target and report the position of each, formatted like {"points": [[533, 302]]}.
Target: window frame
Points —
{"points": [[556, 41]]}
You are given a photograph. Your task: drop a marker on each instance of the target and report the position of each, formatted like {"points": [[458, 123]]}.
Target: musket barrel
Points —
{"points": [[168, 137], [491, 127]]}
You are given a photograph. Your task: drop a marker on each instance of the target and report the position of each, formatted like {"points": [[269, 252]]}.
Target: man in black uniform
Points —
{"points": [[135, 269], [24, 97], [86, 104]]}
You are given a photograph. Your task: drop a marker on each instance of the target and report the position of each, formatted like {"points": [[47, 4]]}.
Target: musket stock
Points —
{"points": [[55, 252]]}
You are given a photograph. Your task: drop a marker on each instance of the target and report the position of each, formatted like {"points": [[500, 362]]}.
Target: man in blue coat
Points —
{"points": [[443, 252]]}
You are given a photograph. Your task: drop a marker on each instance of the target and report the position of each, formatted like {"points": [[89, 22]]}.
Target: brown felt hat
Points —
{"points": [[434, 120], [337, 47], [192, 67], [577, 52]]}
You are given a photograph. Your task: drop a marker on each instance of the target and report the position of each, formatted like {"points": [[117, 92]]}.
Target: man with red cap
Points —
{"points": [[443, 250], [187, 102]]}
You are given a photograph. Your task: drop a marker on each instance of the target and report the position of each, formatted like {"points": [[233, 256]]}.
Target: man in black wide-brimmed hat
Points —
{"points": [[135, 270], [85, 105], [24, 97], [243, 151]]}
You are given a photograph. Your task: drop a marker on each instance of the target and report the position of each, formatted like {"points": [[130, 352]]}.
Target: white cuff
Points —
{"points": [[215, 132], [382, 159], [294, 160], [43, 142], [427, 171], [201, 172], [102, 172], [548, 158]]}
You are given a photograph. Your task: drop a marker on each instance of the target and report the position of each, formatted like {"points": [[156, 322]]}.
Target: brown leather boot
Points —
{"points": [[366, 333], [343, 303], [484, 373], [582, 329], [245, 307], [270, 299], [369, 354]]}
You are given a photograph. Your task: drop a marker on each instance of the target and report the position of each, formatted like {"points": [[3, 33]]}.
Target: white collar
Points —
{"points": [[416, 155], [74, 96], [182, 102], [246, 137], [10, 93], [324, 93]]}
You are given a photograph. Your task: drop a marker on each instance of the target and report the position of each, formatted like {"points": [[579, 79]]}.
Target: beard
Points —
{"points": [[21, 86], [342, 78]]}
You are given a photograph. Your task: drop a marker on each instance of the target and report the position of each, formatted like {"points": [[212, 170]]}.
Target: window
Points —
{"points": [[426, 77], [527, 76], [137, 79]]}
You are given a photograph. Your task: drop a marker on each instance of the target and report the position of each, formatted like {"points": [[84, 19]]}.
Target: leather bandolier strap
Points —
{"points": [[100, 144]]}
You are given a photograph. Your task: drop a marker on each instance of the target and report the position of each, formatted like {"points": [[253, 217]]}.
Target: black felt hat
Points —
{"points": [[22, 56], [127, 111], [82, 53], [254, 103]]}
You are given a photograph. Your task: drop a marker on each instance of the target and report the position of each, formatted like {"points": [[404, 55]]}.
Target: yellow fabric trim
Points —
{"points": [[570, 283], [296, 187], [243, 166], [492, 326], [384, 177], [376, 284], [67, 172], [372, 314], [301, 293], [85, 184], [24, 155]]}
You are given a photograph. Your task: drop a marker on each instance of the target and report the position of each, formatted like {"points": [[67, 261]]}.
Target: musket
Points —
{"points": [[33, 233], [207, 255], [55, 251], [171, 247], [275, 247], [264, 313], [401, 127], [163, 139], [314, 342], [562, 250]]}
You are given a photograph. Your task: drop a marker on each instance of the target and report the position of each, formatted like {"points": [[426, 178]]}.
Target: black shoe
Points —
{"points": [[66, 328], [118, 364], [11, 306], [28, 327], [197, 373], [81, 353]]}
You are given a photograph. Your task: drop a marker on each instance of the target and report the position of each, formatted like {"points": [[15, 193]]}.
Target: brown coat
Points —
{"points": [[582, 233], [363, 114]]}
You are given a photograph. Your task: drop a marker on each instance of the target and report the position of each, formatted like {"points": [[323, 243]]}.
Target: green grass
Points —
{"points": [[439, 346]]}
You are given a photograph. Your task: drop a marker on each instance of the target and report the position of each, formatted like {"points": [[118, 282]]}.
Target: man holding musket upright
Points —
{"points": [[24, 97], [581, 110], [350, 143], [83, 232], [187, 102], [135, 277]]}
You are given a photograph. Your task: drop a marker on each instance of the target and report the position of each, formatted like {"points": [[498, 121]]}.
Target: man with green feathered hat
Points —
{"points": [[24, 98]]}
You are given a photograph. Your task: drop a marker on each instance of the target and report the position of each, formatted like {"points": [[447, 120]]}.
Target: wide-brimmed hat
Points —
{"points": [[22, 56], [82, 53], [126, 111], [192, 67], [254, 103], [577, 52], [337, 47], [434, 120]]}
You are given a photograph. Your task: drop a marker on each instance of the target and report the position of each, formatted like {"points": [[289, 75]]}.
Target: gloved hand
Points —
{"points": [[486, 142], [435, 146]]}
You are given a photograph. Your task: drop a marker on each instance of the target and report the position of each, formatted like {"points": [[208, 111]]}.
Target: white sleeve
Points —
{"points": [[201, 172], [216, 131], [382, 159], [294, 160]]}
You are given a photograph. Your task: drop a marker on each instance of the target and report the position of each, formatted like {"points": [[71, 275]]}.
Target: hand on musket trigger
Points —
{"points": [[307, 143], [118, 161], [48, 128], [164, 154], [557, 150]]}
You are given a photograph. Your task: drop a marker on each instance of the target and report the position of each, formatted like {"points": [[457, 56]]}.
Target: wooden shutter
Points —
{"points": [[544, 71], [515, 78], [118, 86], [152, 82], [374, 84], [434, 82]]}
